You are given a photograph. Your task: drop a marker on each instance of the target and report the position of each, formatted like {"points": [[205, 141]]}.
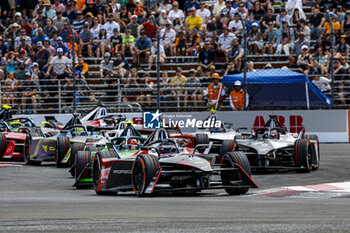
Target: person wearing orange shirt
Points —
{"points": [[215, 93], [70, 45], [237, 97]]}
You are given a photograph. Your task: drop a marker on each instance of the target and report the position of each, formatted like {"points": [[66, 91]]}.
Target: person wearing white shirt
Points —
{"points": [[225, 41], [167, 38], [320, 82], [218, 6], [153, 57], [203, 13], [176, 13], [236, 25], [110, 25]]}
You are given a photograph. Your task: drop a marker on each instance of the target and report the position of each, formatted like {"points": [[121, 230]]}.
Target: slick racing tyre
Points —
{"points": [[226, 146], [201, 139], [83, 159], [3, 144], [144, 169], [316, 155], [26, 152], [73, 151], [96, 171], [303, 155], [228, 161], [62, 147]]}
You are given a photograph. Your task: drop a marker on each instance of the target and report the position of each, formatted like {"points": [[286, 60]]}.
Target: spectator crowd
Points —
{"points": [[38, 39]]}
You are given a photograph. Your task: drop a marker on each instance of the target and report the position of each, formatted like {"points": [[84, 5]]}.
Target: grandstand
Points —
{"points": [[28, 90]]}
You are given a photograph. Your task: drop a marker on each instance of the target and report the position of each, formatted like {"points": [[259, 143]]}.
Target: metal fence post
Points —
{"points": [[59, 97], [119, 94]]}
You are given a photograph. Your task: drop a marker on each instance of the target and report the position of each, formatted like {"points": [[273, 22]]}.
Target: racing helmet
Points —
{"points": [[133, 144]]}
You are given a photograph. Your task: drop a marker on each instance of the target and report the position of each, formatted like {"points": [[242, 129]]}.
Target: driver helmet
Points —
{"points": [[133, 144]]}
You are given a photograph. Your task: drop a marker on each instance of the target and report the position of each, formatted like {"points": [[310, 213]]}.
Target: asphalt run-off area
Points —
{"points": [[42, 199]]}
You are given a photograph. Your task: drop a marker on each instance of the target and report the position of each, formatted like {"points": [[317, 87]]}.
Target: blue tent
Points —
{"points": [[280, 88]]}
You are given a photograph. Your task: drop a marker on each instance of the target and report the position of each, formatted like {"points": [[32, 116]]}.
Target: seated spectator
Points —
{"points": [[327, 28], [176, 13], [250, 66], [303, 28], [86, 40], [180, 45], [269, 17], [218, 6], [63, 46], [282, 17], [116, 42], [128, 42], [178, 83], [39, 37], [149, 28], [299, 44], [226, 13], [316, 21], [23, 56], [215, 93], [203, 12], [20, 72], [133, 26], [193, 90], [209, 32], [66, 32], [189, 5], [345, 24], [163, 20], [295, 17], [102, 42], [9, 89], [153, 56], [47, 45], [140, 12], [255, 44], [110, 25], [321, 61], [285, 38], [193, 40], [258, 11], [194, 20], [70, 44], [39, 19], [30, 93], [59, 64], [269, 38], [167, 39], [225, 42], [206, 58], [59, 20], [11, 62], [241, 10], [321, 82], [120, 66], [19, 40], [82, 67], [236, 53], [91, 7], [236, 25], [343, 47], [95, 28], [237, 97], [124, 17], [305, 61], [143, 46], [106, 67], [70, 12], [47, 11], [250, 21], [231, 69]]}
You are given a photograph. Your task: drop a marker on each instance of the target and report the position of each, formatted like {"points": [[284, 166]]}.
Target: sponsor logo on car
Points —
{"points": [[122, 172]]}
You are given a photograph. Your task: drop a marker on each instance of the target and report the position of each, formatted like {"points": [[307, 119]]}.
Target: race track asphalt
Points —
{"points": [[42, 199]]}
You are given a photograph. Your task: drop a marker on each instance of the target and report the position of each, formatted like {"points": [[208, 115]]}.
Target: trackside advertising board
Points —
{"points": [[329, 125]]}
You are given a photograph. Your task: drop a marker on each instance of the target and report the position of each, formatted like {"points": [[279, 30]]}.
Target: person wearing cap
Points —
{"points": [[79, 22], [255, 43], [62, 45], [42, 56], [226, 13], [153, 56], [71, 46], [305, 60], [90, 7], [167, 39], [128, 42], [175, 12], [316, 21], [236, 25], [215, 93], [206, 58], [194, 20], [143, 47], [40, 19], [225, 42], [163, 20], [110, 25], [178, 83], [59, 20], [285, 39], [47, 11], [237, 97], [59, 64], [40, 37], [86, 40], [30, 93], [133, 26], [193, 89], [106, 66], [23, 56], [321, 82]]}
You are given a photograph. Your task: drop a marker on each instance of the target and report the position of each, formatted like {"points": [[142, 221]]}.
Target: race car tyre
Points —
{"points": [[228, 161], [143, 170], [201, 139], [96, 172], [226, 146], [26, 152], [303, 155], [82, 158], [316, 158], [91, 148], [62, 147], [3, 144], [74, 149]]}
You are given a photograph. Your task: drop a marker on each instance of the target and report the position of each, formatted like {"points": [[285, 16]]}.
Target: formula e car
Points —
{"points": [[162, 166], [124, 145], [273, 147]]}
